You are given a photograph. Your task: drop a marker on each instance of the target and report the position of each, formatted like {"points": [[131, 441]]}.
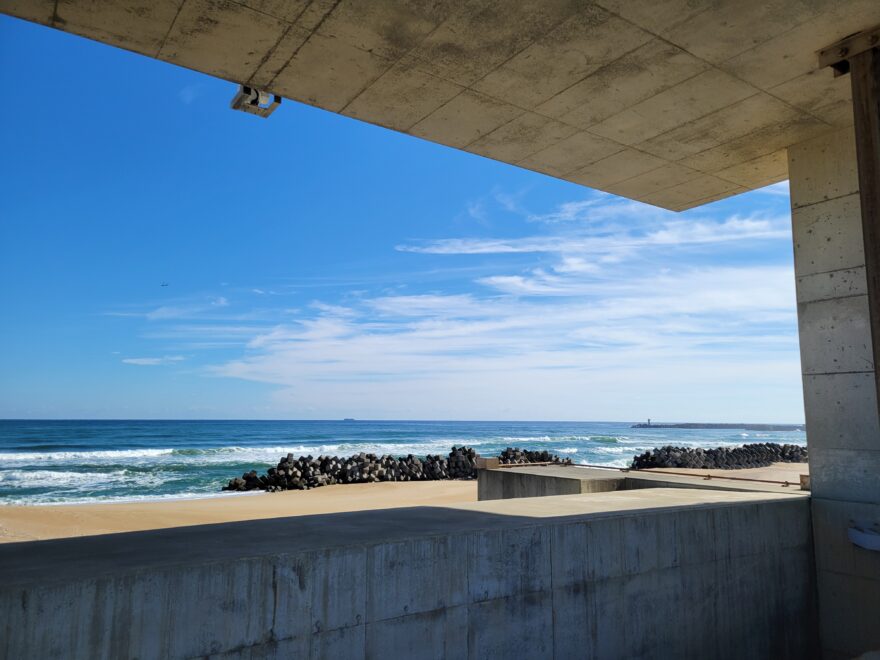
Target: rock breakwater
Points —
{"points": [[511, 456], [306, 472], [754, 455]]}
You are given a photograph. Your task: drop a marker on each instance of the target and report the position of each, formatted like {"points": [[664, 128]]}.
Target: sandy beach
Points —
{"points": [[34, 523]]}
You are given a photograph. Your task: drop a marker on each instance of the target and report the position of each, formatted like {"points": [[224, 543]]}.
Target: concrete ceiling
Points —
{"points": [[671, 102]]}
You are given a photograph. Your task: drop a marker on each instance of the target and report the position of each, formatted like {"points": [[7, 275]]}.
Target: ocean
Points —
{"points": [[65, 462]]}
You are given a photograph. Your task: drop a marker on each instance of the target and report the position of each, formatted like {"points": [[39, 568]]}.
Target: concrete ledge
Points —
{"points": [[489, 579], [538, 481], [541, 481]]}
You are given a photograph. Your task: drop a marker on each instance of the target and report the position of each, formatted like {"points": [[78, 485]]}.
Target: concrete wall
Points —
{"points": [[542, 481], [720, 575], [508, 483], [843, 429]]}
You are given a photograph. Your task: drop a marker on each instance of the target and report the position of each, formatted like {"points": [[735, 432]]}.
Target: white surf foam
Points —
{"points": [[78, 456], [80, 480]]}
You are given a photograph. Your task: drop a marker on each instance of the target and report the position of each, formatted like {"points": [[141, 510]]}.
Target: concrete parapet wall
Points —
{"points": [[682, 574]]}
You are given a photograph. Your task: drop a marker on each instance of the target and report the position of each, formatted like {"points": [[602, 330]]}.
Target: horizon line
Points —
{"points": [[351, 419]]}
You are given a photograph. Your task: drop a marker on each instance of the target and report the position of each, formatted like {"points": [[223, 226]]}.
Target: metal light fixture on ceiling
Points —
{"points": [[255, 101]]}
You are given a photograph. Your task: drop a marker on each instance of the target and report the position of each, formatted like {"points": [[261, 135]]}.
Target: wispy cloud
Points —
{"points": [[427, 305], [607, 302], [154, 361], [190, 93], [477, 211], [671, 232], [780, 189], [166, 312], [188, 309], [694, 329]]}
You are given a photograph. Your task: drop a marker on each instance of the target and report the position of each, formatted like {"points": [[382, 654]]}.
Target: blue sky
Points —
{"points": [[319, 267]]}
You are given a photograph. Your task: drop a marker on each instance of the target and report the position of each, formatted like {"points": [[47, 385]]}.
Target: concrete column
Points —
{"points": [[840, 395]]}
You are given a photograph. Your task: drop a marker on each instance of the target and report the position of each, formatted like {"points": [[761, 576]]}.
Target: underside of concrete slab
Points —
{"points": [[673, 103]]}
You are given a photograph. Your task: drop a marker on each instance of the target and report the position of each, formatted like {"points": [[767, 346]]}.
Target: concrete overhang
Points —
{"points": [[674, 103]]}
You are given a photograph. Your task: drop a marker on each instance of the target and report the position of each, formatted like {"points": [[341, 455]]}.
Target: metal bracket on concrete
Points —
{"points": [[837, 55], [255, 101]]}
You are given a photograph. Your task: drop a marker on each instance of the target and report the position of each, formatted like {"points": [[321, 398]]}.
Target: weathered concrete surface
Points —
{"points": [[839, 391], [671, 102], [670, 574], [509, 483], [544, 480]]}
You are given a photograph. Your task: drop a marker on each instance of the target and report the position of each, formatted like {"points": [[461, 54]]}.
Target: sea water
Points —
{"points": [[46, 462]]}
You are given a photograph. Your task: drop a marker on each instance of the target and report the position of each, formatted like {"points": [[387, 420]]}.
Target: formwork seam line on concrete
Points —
{"points": [[170, 26], [833, 270], [305, 41], [824, 200], [843, 297]]}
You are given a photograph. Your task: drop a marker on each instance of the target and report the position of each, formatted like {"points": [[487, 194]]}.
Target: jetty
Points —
{"points": [[729, 427]]}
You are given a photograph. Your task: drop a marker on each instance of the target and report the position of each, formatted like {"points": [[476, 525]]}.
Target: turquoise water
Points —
{"points": [[45, 462]]}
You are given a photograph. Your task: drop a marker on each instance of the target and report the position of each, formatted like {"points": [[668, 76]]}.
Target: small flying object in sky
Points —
{"points": [[164, 284]]}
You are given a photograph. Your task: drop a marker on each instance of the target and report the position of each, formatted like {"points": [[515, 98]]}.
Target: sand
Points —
{"points": [[33, 523]]}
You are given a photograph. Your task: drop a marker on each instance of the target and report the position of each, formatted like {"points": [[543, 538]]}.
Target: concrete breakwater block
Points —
{"points": [[306, 472], [512, 456], [754, 455]]}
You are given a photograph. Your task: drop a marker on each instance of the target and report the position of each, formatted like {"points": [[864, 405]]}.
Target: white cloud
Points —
{"points": [[697, 322], [570, 264], [510, 202], [567, 212], [680, 233], [181, 309], [172, 312], [477, 211], [622, 308], [154, 361], [190, 93], [450, 306]]}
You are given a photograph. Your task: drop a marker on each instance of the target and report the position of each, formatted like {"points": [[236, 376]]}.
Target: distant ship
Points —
{"points": [[349, 419]]}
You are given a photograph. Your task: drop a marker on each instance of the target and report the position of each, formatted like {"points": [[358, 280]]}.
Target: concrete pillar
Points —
{"points": [[840, 394]]}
